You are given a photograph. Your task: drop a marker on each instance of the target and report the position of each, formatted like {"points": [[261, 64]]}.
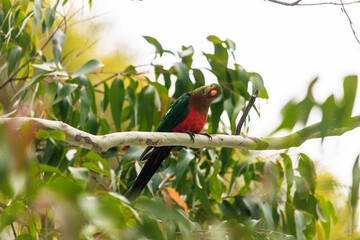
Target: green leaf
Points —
{"points": [[214, 39], [81, 175], [155, 43], [163, 93], [1, 108], [58, 42], [221, 54], [54, 134], [92, 125], [183, 84], [37, 14], [50, 169], [350, 87], [24, 22], [307, 171], [266, 212], [300, 225], [216, 111], [103, 212], [150, 228], [24, 4], [199, 78], [93, 98], [49, 20], [146, 108], [216, 187], [35, 79], [129, 70], [65, 91], [258, 84], [88, 67], [49, 95], [65, 187], [95, 168], [290, 218], [117, 95], [354, 194], [14, 58], [230, 44], [82, 80], [289, 173], [201, 193], [184, 158], [96, 157], [46, 66], [105, 100], [320, 213], [11, 213], [1, 18], [131, 96], [105, 128], [85, 103], [24, 237]]}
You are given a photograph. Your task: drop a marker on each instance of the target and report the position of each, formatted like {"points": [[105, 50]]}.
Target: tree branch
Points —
{"points": [[103, 143], [246, 112]]}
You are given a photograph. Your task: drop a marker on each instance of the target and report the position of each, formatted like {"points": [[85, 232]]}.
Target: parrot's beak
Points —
{"points": [[213, 93]]}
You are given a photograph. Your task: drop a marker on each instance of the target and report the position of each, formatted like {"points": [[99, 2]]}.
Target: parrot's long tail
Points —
{"points": [[158, 155]]}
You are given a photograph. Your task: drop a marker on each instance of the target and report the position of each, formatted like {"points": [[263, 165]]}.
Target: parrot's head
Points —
{"points": [[206, 94]]}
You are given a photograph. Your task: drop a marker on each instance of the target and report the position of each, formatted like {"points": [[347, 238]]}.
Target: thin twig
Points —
{"points": [[13, 229], [117, 74], [106, 79], [298, 3], [246, 112], [350, 22]]}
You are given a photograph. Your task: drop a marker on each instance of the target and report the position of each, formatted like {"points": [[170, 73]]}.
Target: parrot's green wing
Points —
{"points": [[175, 115]]}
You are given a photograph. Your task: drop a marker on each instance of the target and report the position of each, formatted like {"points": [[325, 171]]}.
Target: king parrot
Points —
{"points": [[187, 114]]}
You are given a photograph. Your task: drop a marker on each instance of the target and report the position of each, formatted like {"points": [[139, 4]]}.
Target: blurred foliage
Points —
{"points": [[52, 190]]}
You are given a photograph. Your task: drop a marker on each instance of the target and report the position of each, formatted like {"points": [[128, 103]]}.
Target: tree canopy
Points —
{"points": [[57, 107]]}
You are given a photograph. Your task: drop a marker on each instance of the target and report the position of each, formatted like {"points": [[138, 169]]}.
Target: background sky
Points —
{"points": [[288, 46]]}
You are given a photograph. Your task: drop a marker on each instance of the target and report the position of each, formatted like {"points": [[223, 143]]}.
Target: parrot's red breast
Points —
{"points": [[194, 121]]}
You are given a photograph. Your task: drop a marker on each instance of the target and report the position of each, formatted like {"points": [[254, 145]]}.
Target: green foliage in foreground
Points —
{"points": [[51, 190]]}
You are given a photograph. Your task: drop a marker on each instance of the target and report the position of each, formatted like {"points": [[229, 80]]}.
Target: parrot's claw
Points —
{"points": [[206, 134], [191, 134]]}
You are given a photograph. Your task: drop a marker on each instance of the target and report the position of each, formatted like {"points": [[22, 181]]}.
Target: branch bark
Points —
{"points": [[102, 143]]}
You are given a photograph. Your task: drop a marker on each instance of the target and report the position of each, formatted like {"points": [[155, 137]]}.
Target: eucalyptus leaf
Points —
{"points": [[85, 103], [58, 42], [88, 67], [117, 95], [14, 58]]}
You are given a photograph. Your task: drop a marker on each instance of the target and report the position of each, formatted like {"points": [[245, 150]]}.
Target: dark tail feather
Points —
{"points": [[152, 164]]}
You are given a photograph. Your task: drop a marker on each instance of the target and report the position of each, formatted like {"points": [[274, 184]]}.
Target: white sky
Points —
{"points": [[288, 46]]}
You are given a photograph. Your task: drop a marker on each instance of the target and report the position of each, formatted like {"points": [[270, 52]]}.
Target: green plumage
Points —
{"points": [[187, 114]]}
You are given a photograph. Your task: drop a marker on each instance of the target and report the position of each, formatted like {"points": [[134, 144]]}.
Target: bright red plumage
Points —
{"points": [[194, 122]]}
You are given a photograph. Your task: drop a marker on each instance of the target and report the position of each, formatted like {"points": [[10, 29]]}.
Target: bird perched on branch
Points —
{"points": [[187, 114]]}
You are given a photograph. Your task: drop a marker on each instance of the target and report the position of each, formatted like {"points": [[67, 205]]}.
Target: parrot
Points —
{"points": [[188, 114]]}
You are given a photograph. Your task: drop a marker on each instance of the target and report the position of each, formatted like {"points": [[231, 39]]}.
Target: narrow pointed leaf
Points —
{"points": [[117, 95], [14, 57], [88, 67]]}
